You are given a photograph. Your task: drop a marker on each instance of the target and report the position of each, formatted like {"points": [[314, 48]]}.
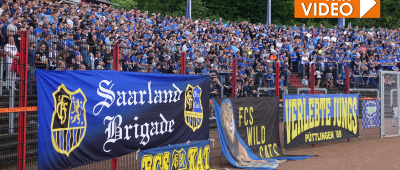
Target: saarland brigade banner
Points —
{"points": [[312, 119], [86, 116], [194, 155], [248, 129]]}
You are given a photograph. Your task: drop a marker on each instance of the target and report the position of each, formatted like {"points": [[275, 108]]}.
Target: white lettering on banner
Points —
{"points": [[114, 131], [105, 92]]}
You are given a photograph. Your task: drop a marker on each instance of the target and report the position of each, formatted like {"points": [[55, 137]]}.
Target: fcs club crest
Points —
{"points": [[193, 108], [68, 124]]}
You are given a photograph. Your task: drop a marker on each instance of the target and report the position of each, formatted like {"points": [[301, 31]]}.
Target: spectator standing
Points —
{"points": [[372, 82], [318, 75], [365, 77], [41, 57], [304, 83], [340, 83], [356, 77], [282, 86], [284, 72], [31, 66], [11, 51]]}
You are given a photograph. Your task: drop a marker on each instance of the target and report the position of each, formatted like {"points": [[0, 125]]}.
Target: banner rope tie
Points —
{"points": [[188, 142], [213, 140], [137, 153]]}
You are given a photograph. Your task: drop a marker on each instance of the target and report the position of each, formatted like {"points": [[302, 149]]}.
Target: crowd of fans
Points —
{"points": [[81, 37]]}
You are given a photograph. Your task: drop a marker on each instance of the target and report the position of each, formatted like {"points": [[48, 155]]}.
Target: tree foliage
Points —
{"points": [[255, 11], [126, 4]]}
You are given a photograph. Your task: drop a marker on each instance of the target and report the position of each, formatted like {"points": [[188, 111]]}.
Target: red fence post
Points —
{"points": [[312, 83], [347, 81], [276, 79], [312, 79], [23, 85], [116, 57], [348, 86], [234, 68], [183, 63], [114, 163]]}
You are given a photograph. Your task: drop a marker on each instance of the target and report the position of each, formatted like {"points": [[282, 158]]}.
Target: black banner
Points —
{"points": [[257, 123], [312, 119]]}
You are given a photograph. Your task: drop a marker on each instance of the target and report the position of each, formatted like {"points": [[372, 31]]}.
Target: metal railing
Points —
{"points": [[318, 89], [367, 90], [264, 89]]}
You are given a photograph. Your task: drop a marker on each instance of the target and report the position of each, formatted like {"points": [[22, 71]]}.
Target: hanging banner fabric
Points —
{"points": [[248, 129], [312, 119], [88, 116], [371, 113], [194, 155]]}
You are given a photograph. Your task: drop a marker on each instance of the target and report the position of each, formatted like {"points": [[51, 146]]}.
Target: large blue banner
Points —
{"points": [[191, 156], [311, 119], [87, 116]]}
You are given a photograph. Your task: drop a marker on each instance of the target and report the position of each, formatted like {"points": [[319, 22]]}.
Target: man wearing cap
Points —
{"points": [[190, 69]]}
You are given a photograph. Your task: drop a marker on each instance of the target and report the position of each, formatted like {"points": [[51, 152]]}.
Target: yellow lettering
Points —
{"points": [[339, 113], [276, 147], [262, 134], [322, 106], [240, 115], [157, 161], [199, 163], [328, 111], [345, 114], [261, 150], [192, 154], [350, 120], [246, 110], [266, 151], [355, 123], [147, 160], [166, 161], [294, 126], [288, 121], [251, 116], [254, 135], [206, 156], [299, 115], [270, 149], [258, 141], [310, 108], [249, 135], [317, 115], [335, 103]]}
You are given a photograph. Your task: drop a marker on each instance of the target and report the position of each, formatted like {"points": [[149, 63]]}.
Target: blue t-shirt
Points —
{"points": [[205, 72]]}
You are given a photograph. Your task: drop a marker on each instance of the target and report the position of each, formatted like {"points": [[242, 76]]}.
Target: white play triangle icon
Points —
{"points": [[365, 6]]}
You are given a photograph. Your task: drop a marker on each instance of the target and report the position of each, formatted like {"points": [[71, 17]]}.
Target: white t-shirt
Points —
{"points": [[184, 48], [12, 49], [305, 57], [200, 59], [279, 44], [318, 74], [12, 28], [333, 39]]}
